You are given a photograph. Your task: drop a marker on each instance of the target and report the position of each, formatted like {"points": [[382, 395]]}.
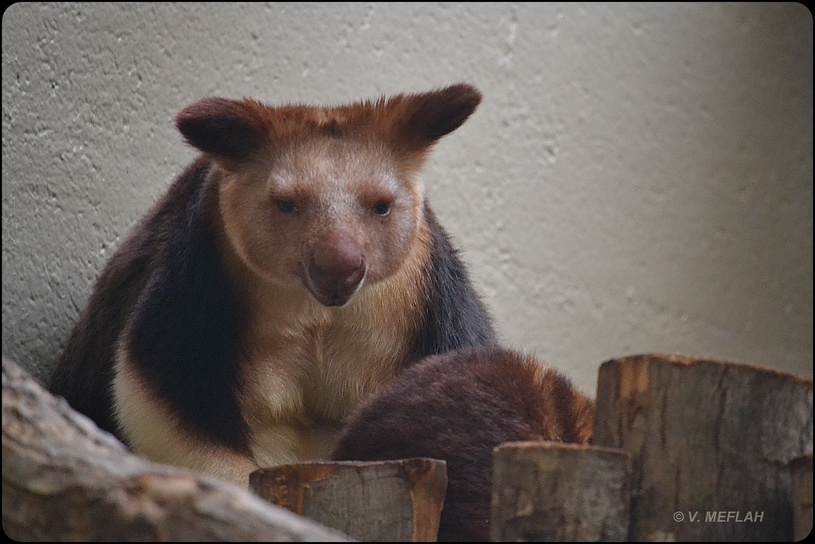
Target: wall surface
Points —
{"points": [[638, 178]]}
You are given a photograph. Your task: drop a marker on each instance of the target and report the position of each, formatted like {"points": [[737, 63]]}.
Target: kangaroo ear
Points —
{"points": [[421, 119], [228, 129]]}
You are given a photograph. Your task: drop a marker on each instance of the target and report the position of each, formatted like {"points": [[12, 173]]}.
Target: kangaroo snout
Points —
{"points": [[336, 270]]}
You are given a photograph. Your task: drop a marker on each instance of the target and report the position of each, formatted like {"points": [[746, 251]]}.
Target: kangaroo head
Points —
{"points": [[326, 199]]}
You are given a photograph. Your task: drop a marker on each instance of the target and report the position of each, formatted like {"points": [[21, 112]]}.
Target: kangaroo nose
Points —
{"points": [[336, 271]]}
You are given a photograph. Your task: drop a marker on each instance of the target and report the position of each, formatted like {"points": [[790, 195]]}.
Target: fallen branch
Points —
{"points": [[65, 479]]}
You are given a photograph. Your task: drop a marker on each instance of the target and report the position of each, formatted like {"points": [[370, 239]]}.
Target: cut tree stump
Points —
{"points": [[710, 444], [801, 474], [375, 501], [556, 492], [65, 479]]}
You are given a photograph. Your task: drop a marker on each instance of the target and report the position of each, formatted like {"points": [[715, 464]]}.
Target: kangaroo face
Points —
{"points": [[326, 214], [327, 199]]}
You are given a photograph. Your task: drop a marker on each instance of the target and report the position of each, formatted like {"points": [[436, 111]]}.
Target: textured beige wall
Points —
{"points": [[638, 178]]}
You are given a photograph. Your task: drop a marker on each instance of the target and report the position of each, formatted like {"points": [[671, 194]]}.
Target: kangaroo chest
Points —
{"points": [[306, 369]]}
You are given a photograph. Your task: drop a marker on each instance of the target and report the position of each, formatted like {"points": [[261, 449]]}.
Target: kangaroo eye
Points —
{"points": [[286, 206], [382, 209]]}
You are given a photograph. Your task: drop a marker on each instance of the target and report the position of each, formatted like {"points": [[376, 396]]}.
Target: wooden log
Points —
{"points": [[384, 501], [710, 443], [801, 475], [556, 492], [66, 480]]}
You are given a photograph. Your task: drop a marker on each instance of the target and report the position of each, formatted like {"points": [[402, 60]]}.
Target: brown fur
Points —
{"points": [[458, 407], [293, 270]]}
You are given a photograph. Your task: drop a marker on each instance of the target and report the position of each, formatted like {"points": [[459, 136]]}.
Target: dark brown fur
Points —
{"points": [[458, 407], [250, 307]]}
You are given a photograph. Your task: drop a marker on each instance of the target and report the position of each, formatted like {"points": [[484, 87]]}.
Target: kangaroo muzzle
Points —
{"points": [[336, 271]]}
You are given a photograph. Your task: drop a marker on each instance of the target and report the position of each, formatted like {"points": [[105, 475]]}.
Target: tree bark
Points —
{"points": [[376, 501], [710, 444], [556, 492], [65, 479]]}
